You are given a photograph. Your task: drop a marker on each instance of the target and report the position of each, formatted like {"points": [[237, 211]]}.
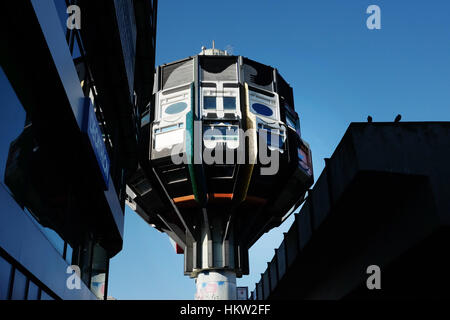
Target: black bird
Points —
{"points": [[398, 118], [369, 119]]}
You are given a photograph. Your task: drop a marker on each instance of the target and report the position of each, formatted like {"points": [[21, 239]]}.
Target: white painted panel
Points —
{"points": [[168, 139]]}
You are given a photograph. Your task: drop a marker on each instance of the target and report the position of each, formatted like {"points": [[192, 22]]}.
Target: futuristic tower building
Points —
{"points": [[222, 162]]}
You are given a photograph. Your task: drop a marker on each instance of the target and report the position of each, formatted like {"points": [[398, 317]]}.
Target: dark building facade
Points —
{"points": [[71, 101], [382, 200]]}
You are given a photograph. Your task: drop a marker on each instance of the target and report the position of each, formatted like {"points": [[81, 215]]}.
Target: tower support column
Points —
{"points": [[216, 285]]}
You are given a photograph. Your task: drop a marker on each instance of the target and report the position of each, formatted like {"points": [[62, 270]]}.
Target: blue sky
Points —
{"points": [[340, 71]]}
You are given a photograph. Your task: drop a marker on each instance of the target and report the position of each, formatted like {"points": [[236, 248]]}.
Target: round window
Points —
{"points": [[262, 109], [176, 108]]}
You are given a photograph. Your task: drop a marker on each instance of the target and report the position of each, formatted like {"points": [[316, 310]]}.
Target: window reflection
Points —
{"points": [[12, 117], [55, 240]]}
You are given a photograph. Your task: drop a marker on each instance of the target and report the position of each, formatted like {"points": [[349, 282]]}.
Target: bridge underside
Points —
{"points": [[381, 200]]}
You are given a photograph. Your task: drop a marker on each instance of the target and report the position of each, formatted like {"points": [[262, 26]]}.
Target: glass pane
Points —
{"points": [[221, 133], [76, 49], [223, 171], [12, 120], [55, 239], [19, 286], [304, 160], [33, 291], [99, 268], [209, 103], [14, 142], [229, 103], [52, 236], [145, 119], [291, 122], [5, 277]]}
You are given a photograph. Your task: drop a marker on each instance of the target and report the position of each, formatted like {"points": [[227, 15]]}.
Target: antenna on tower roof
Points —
{"points": [[213, 51]]}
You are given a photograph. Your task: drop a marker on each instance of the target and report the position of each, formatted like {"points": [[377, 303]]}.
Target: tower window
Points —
{"points": [[291, 122], [209, 103], [229, 103]]}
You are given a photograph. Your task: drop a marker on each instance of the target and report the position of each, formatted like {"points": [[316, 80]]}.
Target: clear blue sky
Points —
{"points": [[340, 71]]}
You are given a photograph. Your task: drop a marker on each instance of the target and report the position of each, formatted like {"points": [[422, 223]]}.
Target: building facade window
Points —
{"points": [[209, 103], [12, 117], [54, 238], [220, 99]]}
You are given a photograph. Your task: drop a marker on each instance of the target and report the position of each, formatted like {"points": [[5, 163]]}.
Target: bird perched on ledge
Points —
{"points": [[398, 118]]}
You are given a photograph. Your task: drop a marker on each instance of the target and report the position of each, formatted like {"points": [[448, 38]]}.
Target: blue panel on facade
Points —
{"points": [[229, 103], [5, 276], [19, 286], [209, 103], [92, 129], [33, 291]]}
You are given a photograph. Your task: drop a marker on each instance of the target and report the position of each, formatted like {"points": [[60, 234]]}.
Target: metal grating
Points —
{"points": [[218, 69], [177, 74]]}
